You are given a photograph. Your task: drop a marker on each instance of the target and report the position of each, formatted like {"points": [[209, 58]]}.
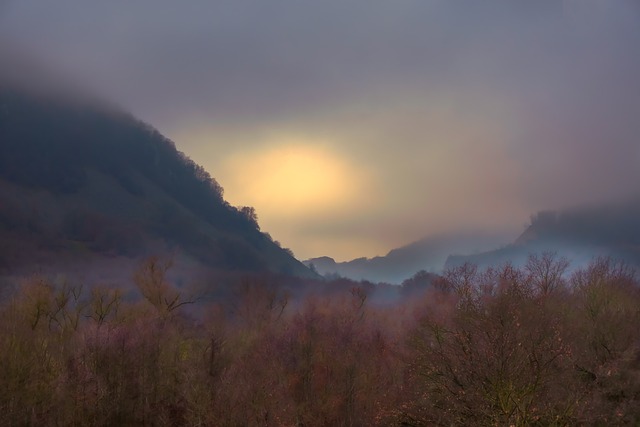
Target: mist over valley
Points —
{"points": [[327, 214]]}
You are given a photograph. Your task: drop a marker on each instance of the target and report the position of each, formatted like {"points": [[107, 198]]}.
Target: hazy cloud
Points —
{"points": [[457, 113]]}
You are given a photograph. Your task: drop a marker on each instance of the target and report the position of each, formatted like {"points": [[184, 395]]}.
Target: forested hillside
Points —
{"points": [[77, 176]]}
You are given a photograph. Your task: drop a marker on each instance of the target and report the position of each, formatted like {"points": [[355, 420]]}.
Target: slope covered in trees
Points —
{"points": [[78, 176]]}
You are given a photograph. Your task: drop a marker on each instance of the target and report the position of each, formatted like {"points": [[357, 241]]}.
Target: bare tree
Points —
{"points": [[546, 272], [151, 280]]}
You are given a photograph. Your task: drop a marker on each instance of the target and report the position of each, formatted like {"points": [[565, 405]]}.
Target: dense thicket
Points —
{"points": [[504, 346]]}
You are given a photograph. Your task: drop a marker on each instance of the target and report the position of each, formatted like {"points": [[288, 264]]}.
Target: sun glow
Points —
{"points": [[293, 177]]}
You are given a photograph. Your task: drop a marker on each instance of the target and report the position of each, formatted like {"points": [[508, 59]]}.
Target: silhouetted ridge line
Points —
{"points": [[103, 169]]}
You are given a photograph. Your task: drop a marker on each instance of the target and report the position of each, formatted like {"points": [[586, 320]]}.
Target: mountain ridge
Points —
{"points": [[579, 233], [76, 175], [399, 264]]}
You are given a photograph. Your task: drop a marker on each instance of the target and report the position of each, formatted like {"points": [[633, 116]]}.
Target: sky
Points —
{"points": [[357, 126]]}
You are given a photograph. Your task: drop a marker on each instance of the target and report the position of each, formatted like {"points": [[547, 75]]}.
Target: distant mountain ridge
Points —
{"points": [[77, 177], [429, 254], [608, 229], [580, 234]]}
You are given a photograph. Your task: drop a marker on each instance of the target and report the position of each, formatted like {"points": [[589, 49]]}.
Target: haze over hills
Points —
{"points": [[399, 264], [81, 181], [133, 291], [581, 233]]}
